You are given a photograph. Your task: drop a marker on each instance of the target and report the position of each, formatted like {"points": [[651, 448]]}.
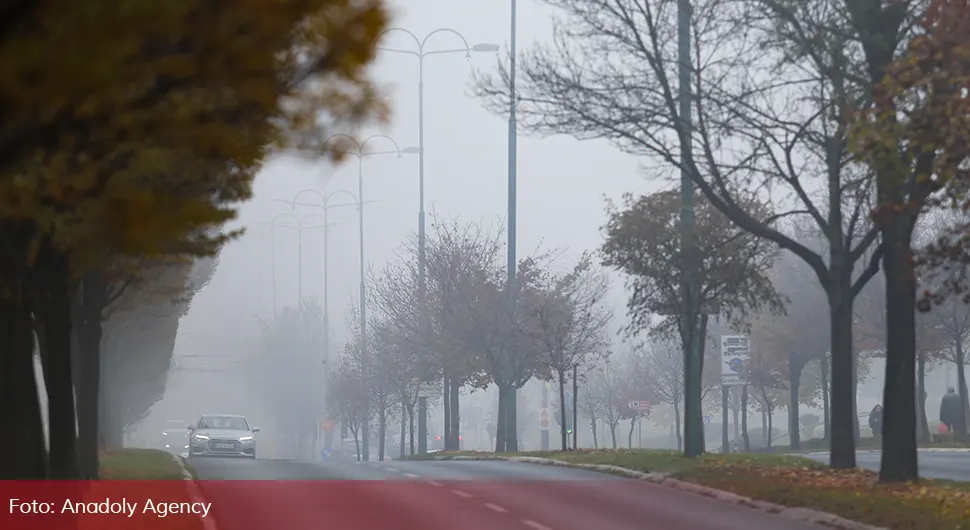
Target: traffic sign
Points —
{"points": [[707, 420], [430, 390], [544, 419], [326, 425], [639, 405]]}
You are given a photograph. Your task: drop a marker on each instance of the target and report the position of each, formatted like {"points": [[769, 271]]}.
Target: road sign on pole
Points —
{"points": [[544, 419], [735, 351], [326, 425], [430, 390], [639, 405]]}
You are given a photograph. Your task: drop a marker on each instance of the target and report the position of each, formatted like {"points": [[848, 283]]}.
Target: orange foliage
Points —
{"points": [[132, 127]]}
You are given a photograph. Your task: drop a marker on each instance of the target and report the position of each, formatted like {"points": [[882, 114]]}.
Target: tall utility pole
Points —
{"points": [[300, 228], [421, 54], [511, 442], [326, 206], [360, 153], [693, 413]]}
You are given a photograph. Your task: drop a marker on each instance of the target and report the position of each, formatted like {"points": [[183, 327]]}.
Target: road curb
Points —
{"points": [[806, 515], [195, 494]]}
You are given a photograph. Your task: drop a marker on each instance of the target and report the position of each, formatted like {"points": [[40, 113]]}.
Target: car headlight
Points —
{"points": [[167, 446], [186, 446], [201, 437], [245, 438]]}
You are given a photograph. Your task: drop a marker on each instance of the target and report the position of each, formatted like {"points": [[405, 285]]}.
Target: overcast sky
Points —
{"points": [[560, 192]]}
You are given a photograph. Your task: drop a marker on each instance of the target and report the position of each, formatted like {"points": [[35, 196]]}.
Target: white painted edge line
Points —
{"points": [[496, 508], [195, 494], [462, 494], [536, 526], [411, 475], [796, 514]]}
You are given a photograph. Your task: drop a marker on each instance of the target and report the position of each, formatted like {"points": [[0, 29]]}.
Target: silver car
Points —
{"points": [[222, 435]]}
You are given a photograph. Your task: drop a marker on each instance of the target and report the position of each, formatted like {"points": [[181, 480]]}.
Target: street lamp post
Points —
{"points": [[511, 442], [421, 53], [360, 152], [326, 206], [693, 414], [273, 225]]}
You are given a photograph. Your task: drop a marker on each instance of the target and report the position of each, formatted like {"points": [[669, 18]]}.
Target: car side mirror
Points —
{"points": [[190, 428], [255, 429]]}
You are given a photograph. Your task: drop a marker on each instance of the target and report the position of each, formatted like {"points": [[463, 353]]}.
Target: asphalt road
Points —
{"points": [[455, 495], [949, 465]]}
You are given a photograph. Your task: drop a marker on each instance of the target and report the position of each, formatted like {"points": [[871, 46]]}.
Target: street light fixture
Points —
{"points": [[300, 227], [360, 152], [325, 204], [421, 53]]}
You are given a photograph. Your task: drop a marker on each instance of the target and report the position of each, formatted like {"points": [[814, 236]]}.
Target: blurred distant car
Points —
{"points": [[173, 439], [439, 442], [223, 435]]}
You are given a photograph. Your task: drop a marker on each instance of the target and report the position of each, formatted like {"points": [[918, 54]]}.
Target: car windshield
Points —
{"points": [[233, 423]]}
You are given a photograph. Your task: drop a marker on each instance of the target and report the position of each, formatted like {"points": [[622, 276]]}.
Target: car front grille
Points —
{"points": [[223, 446]]}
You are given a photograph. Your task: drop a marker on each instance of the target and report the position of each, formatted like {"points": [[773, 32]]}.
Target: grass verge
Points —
{"points": [[146, 466], [140, 464], [795, 481]]}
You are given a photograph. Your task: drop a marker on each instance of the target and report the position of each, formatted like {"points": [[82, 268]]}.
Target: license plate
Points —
{"points": [[225, 446]]}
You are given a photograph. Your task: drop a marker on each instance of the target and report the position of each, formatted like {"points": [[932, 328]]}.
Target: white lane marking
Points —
{"points": [[495, 508], [411, 475], [537, 526], [393, 469], [434, 483], [463, 494]]}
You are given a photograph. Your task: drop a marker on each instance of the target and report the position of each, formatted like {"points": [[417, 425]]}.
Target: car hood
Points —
{"points": [[223, 433]]}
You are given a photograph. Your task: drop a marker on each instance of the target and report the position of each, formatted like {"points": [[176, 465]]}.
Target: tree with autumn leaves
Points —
{"points": [[130, 133]]}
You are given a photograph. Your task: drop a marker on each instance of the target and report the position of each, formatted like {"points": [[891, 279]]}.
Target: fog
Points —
{"points": [[561, 187], [562, 184]]}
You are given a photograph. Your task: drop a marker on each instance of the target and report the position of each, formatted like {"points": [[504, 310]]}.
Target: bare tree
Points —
{"points": [[348, 399], [485, 313], [605, 388], [771, 84], [660, 368], [571, 322]]}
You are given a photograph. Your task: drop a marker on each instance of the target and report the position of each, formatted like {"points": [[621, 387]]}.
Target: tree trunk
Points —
{"points": [[795, 367], [824, 372], [562, 408], [899, 456], [24, 455], [961, 430], [93, 300], [769, 412], [842, 449], [629, 436], [454, 396], [511, 420], [447, 409], [404, 424], [613, 433], [55, 313], [411, 430], [501, 421], [381, 430], [856, 432], [592, 428], [680, 436], [922, 424], [744, 419], [764, 427]]}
